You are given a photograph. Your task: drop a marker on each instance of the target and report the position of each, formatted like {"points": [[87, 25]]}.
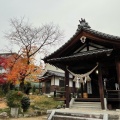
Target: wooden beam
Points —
{"points": [[67, 88], [100, 83]]}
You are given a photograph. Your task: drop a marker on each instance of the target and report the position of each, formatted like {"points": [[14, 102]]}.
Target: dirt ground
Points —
{"points": [[31, 118], [3, 105]]}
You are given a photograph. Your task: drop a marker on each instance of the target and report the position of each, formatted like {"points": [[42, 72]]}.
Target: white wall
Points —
{"points": [[70, 83], [57, 80], [52, 81]]}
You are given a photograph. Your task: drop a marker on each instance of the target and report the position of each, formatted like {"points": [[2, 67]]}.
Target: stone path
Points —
{"points": [[89, 110]]}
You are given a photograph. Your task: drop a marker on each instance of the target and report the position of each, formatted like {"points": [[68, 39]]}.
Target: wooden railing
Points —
{"points": [[113, 95], [60, 96]]}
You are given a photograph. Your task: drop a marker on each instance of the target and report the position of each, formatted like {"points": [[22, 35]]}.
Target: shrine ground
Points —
{"points": [[80, 110]]}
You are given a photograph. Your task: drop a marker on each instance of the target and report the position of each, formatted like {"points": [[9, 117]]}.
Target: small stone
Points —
{"points": [[3, 114], [26, 115], [20, 115], [59, 106]]}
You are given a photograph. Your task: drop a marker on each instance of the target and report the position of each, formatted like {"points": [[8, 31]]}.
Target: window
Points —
{"points": [[61, 83]]}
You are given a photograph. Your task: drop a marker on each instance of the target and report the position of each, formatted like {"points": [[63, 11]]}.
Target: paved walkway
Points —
{"points": [[89, 111]]}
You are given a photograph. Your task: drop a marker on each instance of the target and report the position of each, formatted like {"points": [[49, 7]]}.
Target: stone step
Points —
{"points": [[83, 106], [79, 114], [86, 104], [59, 115], [113, 117], [62, 117]]}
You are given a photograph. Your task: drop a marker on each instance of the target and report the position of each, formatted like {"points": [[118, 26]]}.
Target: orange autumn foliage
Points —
{"points": [[17, 68]]}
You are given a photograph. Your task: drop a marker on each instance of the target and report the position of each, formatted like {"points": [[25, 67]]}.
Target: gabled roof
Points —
{"points": [[85, 30], [50, 73]]}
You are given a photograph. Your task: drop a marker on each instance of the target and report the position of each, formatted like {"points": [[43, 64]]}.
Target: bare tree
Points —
{"points": [[28, 37], [32, 40]]}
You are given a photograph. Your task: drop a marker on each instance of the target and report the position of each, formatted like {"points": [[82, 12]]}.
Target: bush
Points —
{"points": [[25, 103], [36, 91], [13, 98]]}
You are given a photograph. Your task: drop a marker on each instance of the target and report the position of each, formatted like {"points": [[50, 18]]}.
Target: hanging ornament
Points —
{"points": [[83, 39], [83, 78]]}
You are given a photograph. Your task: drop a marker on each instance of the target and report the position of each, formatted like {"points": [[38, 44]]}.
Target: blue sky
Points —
{"points": [[102, 15]]}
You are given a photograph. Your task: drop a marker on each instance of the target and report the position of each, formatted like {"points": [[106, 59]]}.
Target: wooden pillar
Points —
{"points": [[67, 88], [118, 71], [82, 90], [118, 76], [74, 89], [101, 89]]}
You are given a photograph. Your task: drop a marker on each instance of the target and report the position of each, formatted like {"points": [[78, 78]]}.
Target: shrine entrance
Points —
{"points": [[86, 83], [81, 54]]}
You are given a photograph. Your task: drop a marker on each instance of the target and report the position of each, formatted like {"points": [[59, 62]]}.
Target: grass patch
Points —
{"points": [[5, 110], [44, 102], [38, 104]]}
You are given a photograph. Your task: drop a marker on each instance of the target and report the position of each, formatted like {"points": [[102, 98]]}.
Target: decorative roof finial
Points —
{"points": [[83, 24]]}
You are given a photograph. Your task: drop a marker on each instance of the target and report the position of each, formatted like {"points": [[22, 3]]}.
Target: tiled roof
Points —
{"points": [[44, 77], [56, 73], [85, 27], [101, 34], [83, 54], [51, 73]]}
